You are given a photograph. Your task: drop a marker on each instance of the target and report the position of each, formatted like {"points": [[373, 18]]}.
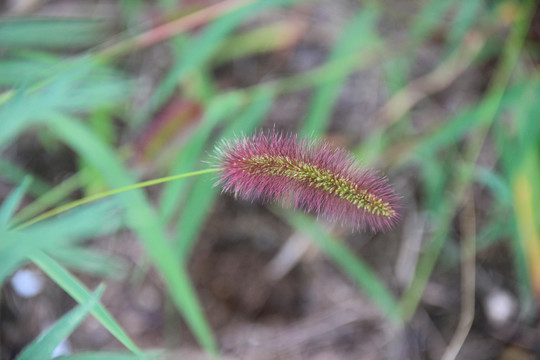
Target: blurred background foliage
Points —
{"points": [[440, 95]]}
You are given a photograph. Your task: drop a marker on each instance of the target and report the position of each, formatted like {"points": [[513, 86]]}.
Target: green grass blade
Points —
{"points": [[469, 119], [14, 174], [52, 197], [466, 17], [110, 355], [261, 40], [203, 192], [76, 86], [174, 192], [527, 216], [353, 266], [429, 18], [142, 219], [50, 33], [485, 113], [81, 294], [197, 52], [43, 347], [91, 262], [359, 36], [496, 183], [62, 231], [22, 70], [10, 205]]}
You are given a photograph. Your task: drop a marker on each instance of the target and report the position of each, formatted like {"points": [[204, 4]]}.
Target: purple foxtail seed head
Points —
{"points": [[308, 174]]}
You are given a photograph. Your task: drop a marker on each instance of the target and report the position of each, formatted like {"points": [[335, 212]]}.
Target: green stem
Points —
{"points": [[85, 200]]}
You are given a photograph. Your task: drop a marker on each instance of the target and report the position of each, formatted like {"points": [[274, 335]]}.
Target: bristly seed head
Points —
{"points": [[311, 175]]}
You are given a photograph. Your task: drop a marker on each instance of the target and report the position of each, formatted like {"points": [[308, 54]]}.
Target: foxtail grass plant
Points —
{"points": [[306, 174]]}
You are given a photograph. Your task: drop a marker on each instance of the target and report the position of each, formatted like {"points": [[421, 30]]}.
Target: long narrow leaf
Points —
{"points": [[76, 226], [81, 294], [43, 347], [110, 355], [9, 206], [15, 174], [204, 193], [174, 192], [359, 36], [50, 33], [142, 219]]}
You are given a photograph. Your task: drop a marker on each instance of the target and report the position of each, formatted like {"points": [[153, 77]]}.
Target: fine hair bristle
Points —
{"points": [[309, 175]]}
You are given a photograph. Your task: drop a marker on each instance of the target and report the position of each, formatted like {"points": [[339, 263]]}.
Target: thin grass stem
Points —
{"points": [[87, 199]]}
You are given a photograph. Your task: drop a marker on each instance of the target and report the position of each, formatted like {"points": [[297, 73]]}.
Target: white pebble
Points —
{"points": [[62, 349], [27, 283], [500, 306]]}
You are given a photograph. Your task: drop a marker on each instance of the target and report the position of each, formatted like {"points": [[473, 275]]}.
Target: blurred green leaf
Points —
{"points": [[203, 193], [359, 36], [10, 205], [43, 347], [50, 198], [469, 119], [496, 183], [142, 219], [260, 40], [195, 53], [353, 266], [174, 192], [15, 174], [527, 215], [47, 33], [467, 15], [27, 68], [90, 262], [429, 18], [109, 355], [93, 220], [81, 294], [77, 86]]}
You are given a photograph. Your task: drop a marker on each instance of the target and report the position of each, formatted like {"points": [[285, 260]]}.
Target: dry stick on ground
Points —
{"points": [[468, 278]]}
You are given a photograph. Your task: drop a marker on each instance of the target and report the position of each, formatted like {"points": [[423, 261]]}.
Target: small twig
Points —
{"points": [[468, 279], [414, 229], [288, 256]]}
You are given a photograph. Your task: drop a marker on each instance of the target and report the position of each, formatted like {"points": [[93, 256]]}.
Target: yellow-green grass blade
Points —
{"points": [[50, 198]]}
